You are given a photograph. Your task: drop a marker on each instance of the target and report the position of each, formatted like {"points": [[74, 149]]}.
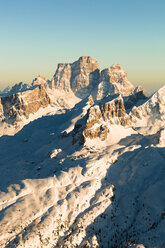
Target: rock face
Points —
{"points": [[99, 118], [1, 108], [81, 76], [94, 126], [114, 109], [85, 75], [24, 103], [62, 77], [114, 80]]}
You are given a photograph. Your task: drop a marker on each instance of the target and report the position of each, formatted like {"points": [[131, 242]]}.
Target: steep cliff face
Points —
{"points": [[62, 77], [85, 76], [100, 117], [114, 80], [81, 77], [98, 120], [1, 108], [24, 103]]}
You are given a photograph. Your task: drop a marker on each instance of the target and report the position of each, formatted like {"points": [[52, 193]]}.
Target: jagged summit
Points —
{"points": [[81, 76], [84, 78], [40, 80], [114, 80]]}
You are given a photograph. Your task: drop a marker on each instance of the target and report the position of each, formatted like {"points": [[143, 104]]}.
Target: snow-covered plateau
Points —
{"points": [[82, 161]]}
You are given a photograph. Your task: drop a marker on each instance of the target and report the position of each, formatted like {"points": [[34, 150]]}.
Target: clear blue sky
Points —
{"points": [[35, 35]]}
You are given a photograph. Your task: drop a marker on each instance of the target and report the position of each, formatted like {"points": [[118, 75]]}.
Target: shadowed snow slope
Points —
{"points": [[78, 171], [107, 193]]}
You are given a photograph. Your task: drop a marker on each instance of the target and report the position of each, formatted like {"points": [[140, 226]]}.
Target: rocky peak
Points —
{"points": [[86, 64], [99, 118], [81, 76], [20, 87], [114, 80], [39, 80], [84, 78]]}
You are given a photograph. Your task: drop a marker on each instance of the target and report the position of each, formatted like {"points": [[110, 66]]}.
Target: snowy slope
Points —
{"points": [[106, 193], [149, 117], [78, 172]]}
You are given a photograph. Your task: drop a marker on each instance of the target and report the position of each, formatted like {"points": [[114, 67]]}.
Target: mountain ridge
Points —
{"points": [[71, 83]]}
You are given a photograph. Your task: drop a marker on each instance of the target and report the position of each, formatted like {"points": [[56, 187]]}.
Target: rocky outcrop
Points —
{"points": [[81, 77], [24, 103], [114, 109], [98, 120], [1, 108], [99, 117], [94, 126], [113, 80]]}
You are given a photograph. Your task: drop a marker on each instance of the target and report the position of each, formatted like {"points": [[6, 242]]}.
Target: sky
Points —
{"points": [[36, 35]]}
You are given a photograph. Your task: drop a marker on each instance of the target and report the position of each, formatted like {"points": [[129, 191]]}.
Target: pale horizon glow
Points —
{"points": [[37, 35]]}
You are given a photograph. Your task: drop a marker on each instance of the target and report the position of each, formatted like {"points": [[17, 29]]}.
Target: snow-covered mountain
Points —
{"points": [[70, 84], [84, 166]]}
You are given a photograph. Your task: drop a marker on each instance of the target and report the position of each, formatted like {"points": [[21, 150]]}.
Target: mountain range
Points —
{"points": [[82, 159]]}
